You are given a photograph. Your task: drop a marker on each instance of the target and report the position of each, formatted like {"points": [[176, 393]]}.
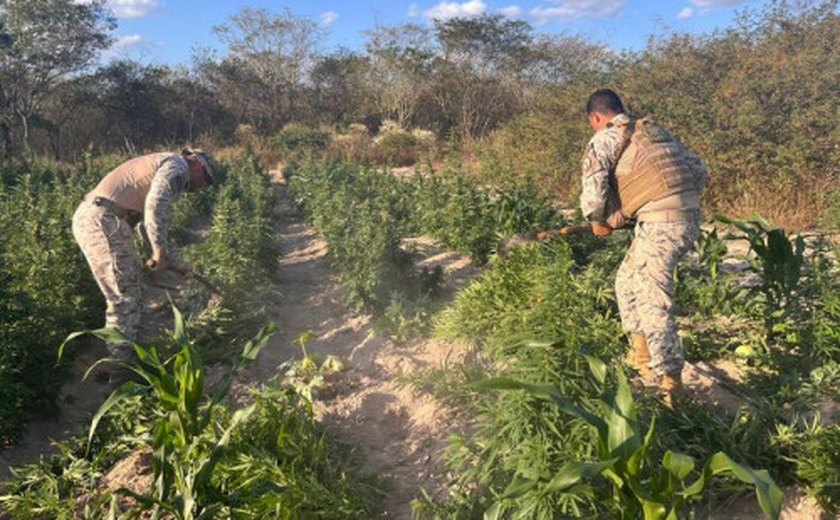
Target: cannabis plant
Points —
{"points": [[626, 476]]}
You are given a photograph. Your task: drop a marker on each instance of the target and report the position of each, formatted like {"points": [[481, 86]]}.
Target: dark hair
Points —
{"points": [[605, 101]]}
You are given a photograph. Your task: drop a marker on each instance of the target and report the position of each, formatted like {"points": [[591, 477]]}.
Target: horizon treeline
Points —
{"points": [[758, 100]]}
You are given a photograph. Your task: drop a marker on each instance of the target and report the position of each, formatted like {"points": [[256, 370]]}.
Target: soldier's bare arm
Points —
{"points": [[169, 181]]}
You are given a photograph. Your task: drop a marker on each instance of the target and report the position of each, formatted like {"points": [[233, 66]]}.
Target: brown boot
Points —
{"points": [[670, 386], [639, 357]]}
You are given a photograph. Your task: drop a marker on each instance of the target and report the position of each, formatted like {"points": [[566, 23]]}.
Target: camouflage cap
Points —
{"points": [[205, 159]]}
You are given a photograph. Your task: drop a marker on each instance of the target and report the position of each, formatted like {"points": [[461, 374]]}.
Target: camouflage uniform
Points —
{"points": [[103, 230], [644, 282]]}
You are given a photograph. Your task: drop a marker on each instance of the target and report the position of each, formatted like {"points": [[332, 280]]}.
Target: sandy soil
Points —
{"points": [[401, 434]]}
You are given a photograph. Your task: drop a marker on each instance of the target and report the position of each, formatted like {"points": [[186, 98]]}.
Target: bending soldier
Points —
{"points": [[141, 189], [634, 170]]}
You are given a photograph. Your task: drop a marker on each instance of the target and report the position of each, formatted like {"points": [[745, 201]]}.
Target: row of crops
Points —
{"points": [[45, 290], [557, 430], [365, 214], [192, 454]]}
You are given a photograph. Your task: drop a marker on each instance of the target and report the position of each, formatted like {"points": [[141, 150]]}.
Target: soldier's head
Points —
{"points": [[603, 105], [202, 169]]}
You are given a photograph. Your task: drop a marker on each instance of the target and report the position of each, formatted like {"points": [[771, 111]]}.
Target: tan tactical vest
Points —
{"points": [[653, 167], [129, 183]]}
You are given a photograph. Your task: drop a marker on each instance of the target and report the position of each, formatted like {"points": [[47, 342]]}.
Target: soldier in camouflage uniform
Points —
{"points": [[142, 189], [635, 171]]}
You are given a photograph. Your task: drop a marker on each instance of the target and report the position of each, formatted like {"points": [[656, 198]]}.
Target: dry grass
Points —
{"points": [[786, 203]]}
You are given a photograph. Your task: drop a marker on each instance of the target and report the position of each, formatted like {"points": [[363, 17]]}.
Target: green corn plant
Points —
{"points": [[711, 250], [185, 443], [627, 475], [779, 261]]}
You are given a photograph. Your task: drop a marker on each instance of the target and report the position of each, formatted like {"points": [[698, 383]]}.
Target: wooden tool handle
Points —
{"points": [[564, 231]]}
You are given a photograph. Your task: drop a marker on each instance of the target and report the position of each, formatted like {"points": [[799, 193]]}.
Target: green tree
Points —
{"points": [[43, 43]]}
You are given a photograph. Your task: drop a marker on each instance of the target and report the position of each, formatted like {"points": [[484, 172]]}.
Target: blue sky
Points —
{"points": [[166, 31]]}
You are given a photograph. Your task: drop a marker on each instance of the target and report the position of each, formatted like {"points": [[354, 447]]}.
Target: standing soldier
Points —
{"points": [[634, 170], [141, 189]]}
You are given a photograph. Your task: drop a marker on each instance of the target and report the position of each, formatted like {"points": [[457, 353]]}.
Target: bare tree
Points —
{"points": [[402, 60], [274, 55], [338, 89], [480, 71]]}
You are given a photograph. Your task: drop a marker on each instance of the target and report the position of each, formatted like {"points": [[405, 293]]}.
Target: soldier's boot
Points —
{"points": [[639, 357], [670, 388]]}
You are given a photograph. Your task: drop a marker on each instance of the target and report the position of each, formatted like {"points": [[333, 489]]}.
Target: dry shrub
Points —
{"points": [[545, 144], [391, 146], [247, 138], [786, 201], [396, 148], [355, 144], [426, 139]]}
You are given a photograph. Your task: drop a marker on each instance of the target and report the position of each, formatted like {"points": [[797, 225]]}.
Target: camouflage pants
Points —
{"points": [[644, 288], [108, 245]]}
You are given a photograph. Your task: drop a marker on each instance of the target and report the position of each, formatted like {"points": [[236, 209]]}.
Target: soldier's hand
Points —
{"points": [[601, 230], [157, 264]]}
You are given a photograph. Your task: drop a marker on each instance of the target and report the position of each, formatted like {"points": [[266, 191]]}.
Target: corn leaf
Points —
{"points": [[573, 472], [129, 389], [678, 465]]}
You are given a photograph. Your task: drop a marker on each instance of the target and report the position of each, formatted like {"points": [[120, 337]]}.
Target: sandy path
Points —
{"points": [[401, 434]]}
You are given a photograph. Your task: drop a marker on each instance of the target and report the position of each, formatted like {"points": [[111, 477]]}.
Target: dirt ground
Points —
{"points": [[401, 434], [77, 402]]}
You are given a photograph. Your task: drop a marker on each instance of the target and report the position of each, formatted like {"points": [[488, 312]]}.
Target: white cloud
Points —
{"points": [[328, 18], [511, 11], [568, 10], [128, 8], [124, 42], [413, 11], [685, 13], [133, 8], [124, 45], [448, 10], [705, 4]]}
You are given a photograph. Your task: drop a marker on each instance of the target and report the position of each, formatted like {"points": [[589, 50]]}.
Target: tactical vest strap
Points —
{"points": [[626, 136]]}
